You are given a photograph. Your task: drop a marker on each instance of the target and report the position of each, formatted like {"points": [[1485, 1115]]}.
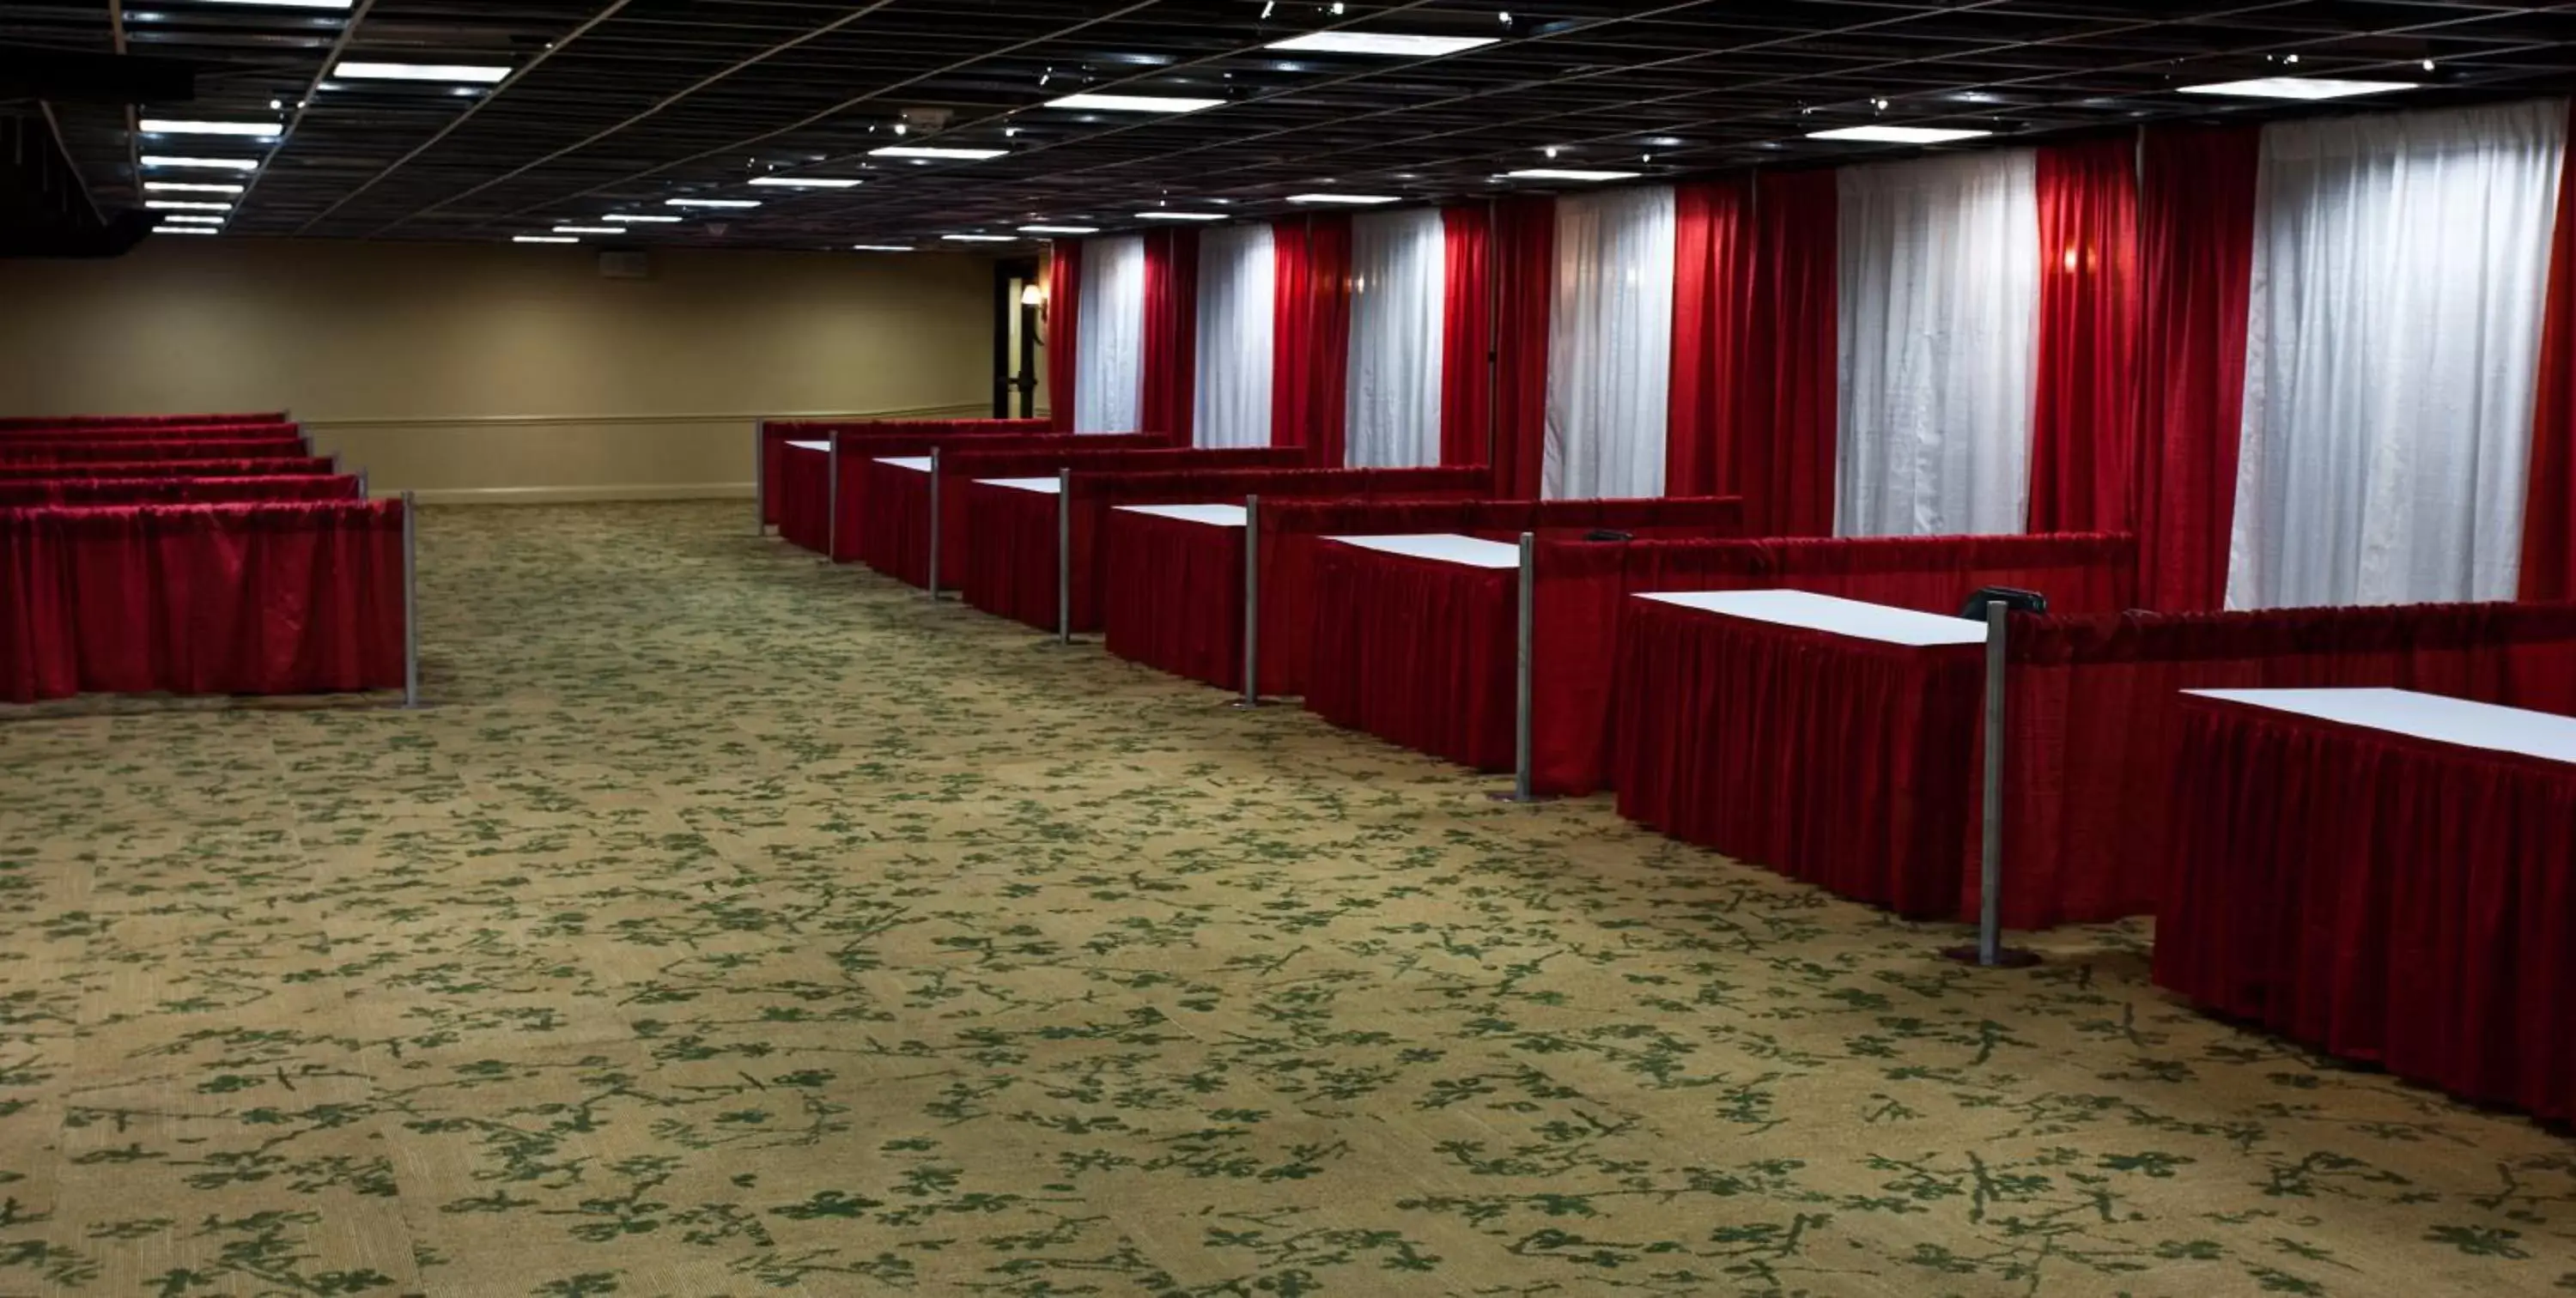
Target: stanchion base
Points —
{"points": [[1531, 801], [1052, 643], [1247, 705], [2010, 957]]}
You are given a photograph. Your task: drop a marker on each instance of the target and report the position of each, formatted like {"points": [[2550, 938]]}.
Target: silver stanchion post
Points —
{"points": [[1990, 951], [760, 477], [1251, 603], [1523, 784], [1064, 556], [934, 524], [411, 601], [832, 515], [362, 484]]}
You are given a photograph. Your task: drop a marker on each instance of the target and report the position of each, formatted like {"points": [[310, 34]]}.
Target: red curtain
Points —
{"points": [[1524, 249], [2084, 417], [2549, 510], [1467, 339], [1712, 294], [1310, 352], [1784, 425], [1063, 328], [2196, 264], [274, 598], [1170, 386]]}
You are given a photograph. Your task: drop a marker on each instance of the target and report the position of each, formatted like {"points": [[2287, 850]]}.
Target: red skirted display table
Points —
{"points": [[176, 491], [1177, 603], [858, 498], [73, 451], [804, 498], [1819, 737], [298, 466], [151, 433], [86, 423], [2384, 875], [776, 433], [1419, 649]]}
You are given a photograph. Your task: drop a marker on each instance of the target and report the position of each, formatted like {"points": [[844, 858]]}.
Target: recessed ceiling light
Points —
{"points": [[807, 182], [1135, 103], [188, 126], [632, 218], [190, 218], [590, 229], [541, 238], [979, 238], [1569, 173], [2297, 88], [286, 4], [209, 164], [1059, 229], [185, 229], [1897, 134], [1393, 44], [175, 205], [878, 247], [1354, 200], [1180, 216], [483, 74], [188, 187], [711, 202], [935, 151]]}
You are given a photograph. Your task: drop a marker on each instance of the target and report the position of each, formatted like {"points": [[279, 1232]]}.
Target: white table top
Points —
{"points": [[809, 446], [1851, 617], [916, 463], [2436, 717], [1212, 515], [1045, 485], [1446, 547]]}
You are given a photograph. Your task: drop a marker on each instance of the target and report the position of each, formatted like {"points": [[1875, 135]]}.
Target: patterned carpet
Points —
{"points": [[736, 926]]}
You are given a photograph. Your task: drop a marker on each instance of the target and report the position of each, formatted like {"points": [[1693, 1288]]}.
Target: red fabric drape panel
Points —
{"points": [[1786, 406], [1712, 295], [2196, 266], [1310, 353], [1524, 248], [2084, 416], [1170, 388], [2549, 510], [1063, 329], [1467, 338]]}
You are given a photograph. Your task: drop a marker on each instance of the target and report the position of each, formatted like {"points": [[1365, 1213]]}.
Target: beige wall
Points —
{"points": [[500, 372]]}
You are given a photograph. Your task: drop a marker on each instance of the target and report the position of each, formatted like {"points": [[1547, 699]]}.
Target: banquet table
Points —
{"points": [[805, 495], [1178, 602], [1411, 641], [1807, 733], [2385, 875], [1012, 569]]}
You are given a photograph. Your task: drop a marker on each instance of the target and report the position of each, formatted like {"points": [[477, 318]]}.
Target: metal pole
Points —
{"points": [[832, 519], [934, 524], [1521, 784], [1251, 603], [411, 602], [1064, 556], [362, 484], [1991, 863], [760, 477]]}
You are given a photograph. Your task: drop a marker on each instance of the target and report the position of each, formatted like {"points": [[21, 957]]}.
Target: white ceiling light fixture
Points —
{"points": [[729, 203], [632, 218], [480, 74], [1180, 216], [190, 218], [879, 247], [286, 4], [188, 187], [806, 182], [1391, 44], [190, 126], [1569, 173], [936, 151], [1059, 229], [201, 164], [1348, 200], [175, 205], [185, 229], [2300, 88], [1107, 103], [592, 229], [979, 238], [1897, 134], [542, 238]]}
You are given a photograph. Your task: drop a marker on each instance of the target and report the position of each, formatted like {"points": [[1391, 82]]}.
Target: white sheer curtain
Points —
{"points": [[1109, 346], [1238, 282], [2400, 263], [1610, 345], [1939, 305], [1399, 281]]}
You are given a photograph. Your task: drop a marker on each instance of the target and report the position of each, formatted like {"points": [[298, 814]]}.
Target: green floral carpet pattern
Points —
{"points": [[733, 925]]}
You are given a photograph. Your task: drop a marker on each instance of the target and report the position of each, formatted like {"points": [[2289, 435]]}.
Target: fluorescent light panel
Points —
{"points": [[1570, 173], [979, 238], [806, 182], [2303, 88], [711, 202], [476, 73], [188, 187], [190, 218], [541, 238], [285, 4], [174, 205], [1135, 103], [591, 229], [935, 151], [190, 126], [631, 218], [1348, 200], [1391, 44], [185, 229], [1180, 216], [1897, 134], [878, 247], [1059, 229], [207, 164]]}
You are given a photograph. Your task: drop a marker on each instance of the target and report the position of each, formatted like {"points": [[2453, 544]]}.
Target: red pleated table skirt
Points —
{"points": [[1174, 596], [1419, 652]]}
